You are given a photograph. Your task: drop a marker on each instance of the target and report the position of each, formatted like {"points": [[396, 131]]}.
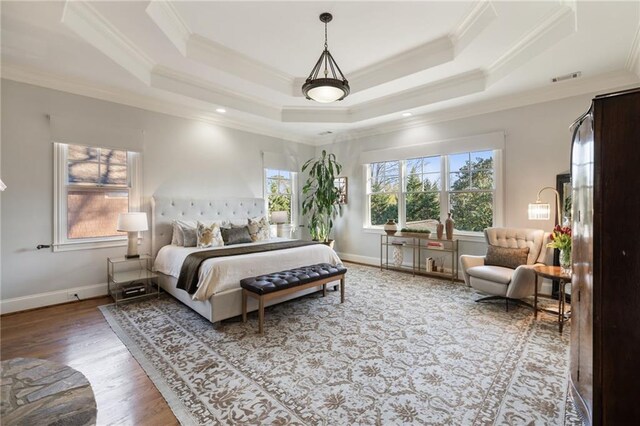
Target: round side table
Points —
{"points": [[553, 273]]}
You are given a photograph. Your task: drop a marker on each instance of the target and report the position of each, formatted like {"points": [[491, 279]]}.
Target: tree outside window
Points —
{"points": [[279, 191], [471, 187], [422, 191], [384, 184]]}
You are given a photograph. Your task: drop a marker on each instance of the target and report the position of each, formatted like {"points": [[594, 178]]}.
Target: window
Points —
{"points": [[93, 186], [464, 184], [471, 188], [422, 191], [279, 192], [382, 192]]}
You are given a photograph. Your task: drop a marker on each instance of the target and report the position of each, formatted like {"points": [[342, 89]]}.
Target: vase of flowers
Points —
{"points": [[561, 240]]}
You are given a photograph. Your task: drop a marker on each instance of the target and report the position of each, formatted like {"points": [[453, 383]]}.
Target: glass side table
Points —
{"points": [[130, 279]]}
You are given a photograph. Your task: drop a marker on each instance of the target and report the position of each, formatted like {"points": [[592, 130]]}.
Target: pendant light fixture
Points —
{"points": [[332, 85]]}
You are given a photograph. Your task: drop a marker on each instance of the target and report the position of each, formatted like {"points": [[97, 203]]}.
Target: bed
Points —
{"points": [[219, 295]]}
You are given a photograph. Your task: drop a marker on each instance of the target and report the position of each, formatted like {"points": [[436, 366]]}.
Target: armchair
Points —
{"points": [[505, 283]]}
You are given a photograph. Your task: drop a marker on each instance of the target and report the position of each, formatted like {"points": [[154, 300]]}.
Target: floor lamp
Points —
{"points": [[542, 211]]}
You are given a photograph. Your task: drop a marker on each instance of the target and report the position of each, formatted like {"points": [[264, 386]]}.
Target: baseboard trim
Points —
{"points": [[34, 301]]}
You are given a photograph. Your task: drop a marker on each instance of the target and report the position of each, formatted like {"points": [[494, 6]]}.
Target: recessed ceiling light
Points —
{"points": [[221, 110], [406, 114]]}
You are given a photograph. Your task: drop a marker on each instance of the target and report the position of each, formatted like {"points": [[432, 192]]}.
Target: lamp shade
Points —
{"points": [[132, 222], [539, 211], [279, 217]]}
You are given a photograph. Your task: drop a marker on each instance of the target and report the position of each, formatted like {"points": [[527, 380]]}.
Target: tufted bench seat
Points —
{"points": [[266, 287]]}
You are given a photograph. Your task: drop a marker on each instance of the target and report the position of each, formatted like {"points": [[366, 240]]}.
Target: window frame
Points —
{"points": [[368, 193], [61, 242], [294, 194], [497, 191]]}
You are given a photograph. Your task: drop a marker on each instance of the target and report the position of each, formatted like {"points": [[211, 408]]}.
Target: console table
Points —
{"points": [[418, 243]]}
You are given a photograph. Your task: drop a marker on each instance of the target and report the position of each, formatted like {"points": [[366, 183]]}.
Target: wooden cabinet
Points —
{"points": [[605, 325]]}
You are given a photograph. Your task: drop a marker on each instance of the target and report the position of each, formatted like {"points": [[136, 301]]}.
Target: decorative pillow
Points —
{"points": [[506, 257], [209, 236], [259, 229], [236, 236], [188, 232], [176, 236]]}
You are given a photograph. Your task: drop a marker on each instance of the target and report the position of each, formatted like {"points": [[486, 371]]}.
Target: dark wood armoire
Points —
{"points": [[605, 323]]}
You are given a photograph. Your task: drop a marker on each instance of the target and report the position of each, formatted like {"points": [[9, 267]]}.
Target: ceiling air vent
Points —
{"points": [[566, 77], [325, 133]]}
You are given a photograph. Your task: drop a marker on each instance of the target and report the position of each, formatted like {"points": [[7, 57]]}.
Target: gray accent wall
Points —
{"points": [[180, 157]]}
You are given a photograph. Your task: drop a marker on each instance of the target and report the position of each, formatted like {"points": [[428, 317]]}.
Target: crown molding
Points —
{"points": [[633, 60], [232, 62], [83, 19], [174, 108], [215, 55], [621, 79], [166, 17], [481, 15], [196, 88], [555, 26]]}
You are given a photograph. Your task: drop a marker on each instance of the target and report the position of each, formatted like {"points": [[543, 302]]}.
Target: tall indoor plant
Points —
{"points": [[321, 195]]}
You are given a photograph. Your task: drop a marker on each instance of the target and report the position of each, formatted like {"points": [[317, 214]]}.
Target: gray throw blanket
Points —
{"points": [[189, 273]]}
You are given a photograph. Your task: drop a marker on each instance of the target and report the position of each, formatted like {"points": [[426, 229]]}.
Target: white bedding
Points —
{"points": [[220, 274]]}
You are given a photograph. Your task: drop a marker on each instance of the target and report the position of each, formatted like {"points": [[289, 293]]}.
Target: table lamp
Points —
{"points": [[280, 218], [132, 223]]}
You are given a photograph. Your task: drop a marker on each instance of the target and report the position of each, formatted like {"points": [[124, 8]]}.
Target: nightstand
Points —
{"points": [[130, 279]]}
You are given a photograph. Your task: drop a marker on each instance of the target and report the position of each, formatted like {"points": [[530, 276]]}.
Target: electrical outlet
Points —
{"points": [[72, 295]]}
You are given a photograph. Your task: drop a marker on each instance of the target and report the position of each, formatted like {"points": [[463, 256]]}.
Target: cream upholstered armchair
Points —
{"points": [[506, 283]]}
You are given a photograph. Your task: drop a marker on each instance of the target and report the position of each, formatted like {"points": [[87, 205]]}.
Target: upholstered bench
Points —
{"points": [[266, 287]]}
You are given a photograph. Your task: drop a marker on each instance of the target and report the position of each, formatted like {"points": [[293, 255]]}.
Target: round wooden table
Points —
{"points": [[553, 273], [41, 392]]}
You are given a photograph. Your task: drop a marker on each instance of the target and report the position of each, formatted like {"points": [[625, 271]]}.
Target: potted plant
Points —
{"points": [[321, 196]]}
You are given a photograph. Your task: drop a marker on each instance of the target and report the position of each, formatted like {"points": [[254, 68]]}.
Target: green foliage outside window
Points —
{"points": [[279, 195], [473, 211]]}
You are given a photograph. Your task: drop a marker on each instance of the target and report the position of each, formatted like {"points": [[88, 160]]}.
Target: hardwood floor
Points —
{"points": [[77, 334]]}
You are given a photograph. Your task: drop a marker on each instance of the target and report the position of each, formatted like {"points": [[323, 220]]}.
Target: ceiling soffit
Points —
{"points": [[90, 25]]}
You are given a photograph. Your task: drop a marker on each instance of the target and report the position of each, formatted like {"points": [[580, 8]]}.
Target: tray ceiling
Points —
{"points": [[433, 59]]}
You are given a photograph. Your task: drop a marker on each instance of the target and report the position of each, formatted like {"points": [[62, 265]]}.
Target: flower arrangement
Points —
{"points": [[561, 238]]}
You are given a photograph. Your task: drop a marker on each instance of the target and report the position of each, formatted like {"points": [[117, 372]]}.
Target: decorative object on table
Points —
{"points": [[449, 226], [341, 184], [132, 223], [561, 240], [420, 231], [321, 195], [391, 227], [332, 85], [280, 218], [542, 211], [440, 229], [41, 392], [398, 255]]}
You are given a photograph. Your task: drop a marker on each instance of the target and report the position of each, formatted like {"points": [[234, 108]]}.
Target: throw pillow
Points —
{"points": [[189, 233], [209, 235], [506, 257], [236, 236], [259, 229], [176, 236]]}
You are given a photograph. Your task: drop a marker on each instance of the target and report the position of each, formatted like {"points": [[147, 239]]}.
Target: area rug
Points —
{"points": [[400, 350]]}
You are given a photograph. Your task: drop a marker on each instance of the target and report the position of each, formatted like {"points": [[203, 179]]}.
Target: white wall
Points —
{"points": [[538, 147], [180, 157]]}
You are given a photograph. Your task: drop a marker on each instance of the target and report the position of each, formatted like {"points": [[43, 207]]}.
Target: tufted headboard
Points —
{"points": [[166, 209]]}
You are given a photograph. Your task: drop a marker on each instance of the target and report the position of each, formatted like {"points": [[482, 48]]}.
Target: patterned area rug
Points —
{"points": [[400, 350]]}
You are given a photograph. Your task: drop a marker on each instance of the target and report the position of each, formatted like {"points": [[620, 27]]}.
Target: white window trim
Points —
{"points": [[294, 195], [498, 198], [60, 172]]}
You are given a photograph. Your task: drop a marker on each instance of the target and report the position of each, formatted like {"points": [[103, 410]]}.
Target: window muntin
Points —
{"points": [[279, 191], [462, 183]]}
